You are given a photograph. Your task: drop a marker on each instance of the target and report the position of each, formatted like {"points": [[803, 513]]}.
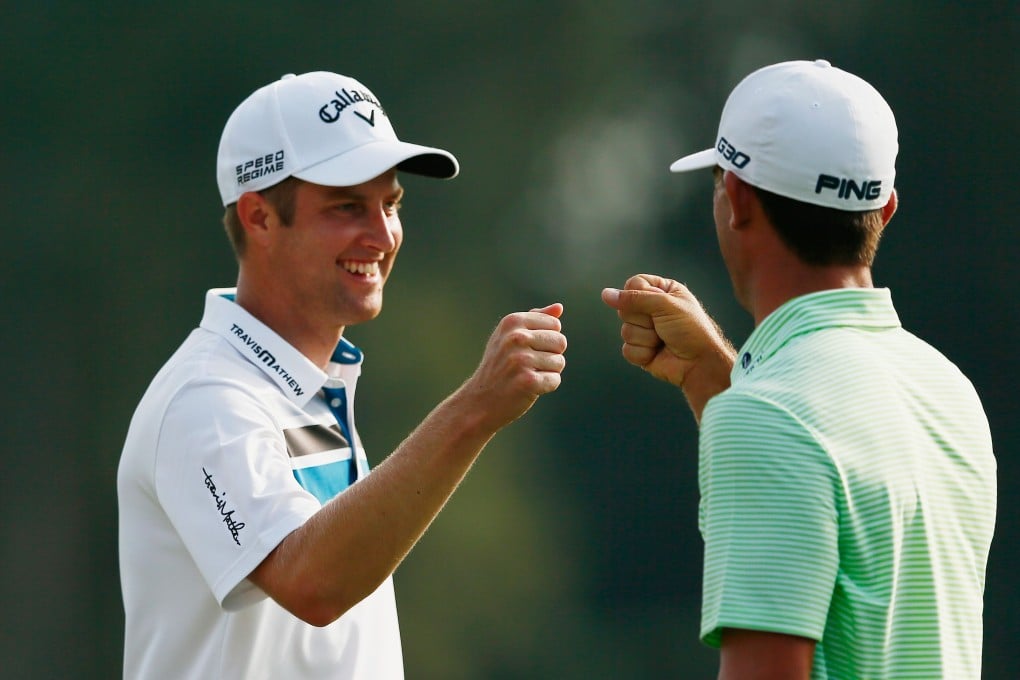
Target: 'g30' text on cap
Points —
{"points": [[808, 131]]}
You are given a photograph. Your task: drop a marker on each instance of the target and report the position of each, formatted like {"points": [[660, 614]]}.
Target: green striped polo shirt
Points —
{"points": [[848, 493]]}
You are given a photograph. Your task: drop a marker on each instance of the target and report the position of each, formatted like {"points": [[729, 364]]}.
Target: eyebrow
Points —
{"points": [[337, 193]]}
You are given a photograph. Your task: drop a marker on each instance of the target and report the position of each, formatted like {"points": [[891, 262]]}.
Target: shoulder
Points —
{"points": [[205, 363], [752, 440], [751, 410], [206, 383]]}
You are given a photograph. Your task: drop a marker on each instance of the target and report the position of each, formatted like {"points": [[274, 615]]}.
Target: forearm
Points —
{"points": [[348, 548], [342, 554], [709, 376], [761, 655]]}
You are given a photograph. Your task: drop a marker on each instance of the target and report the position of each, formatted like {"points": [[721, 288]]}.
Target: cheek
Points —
{"points": [[721, 210], [721, 215]]}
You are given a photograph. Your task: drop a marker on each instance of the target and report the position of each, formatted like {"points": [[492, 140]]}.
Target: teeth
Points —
{"points": [[365, 268]]}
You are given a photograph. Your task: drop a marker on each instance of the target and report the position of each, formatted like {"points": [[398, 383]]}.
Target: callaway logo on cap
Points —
{"points": [[808, 131], [321, 127]]}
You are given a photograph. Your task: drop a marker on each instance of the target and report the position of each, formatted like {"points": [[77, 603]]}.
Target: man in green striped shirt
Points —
{"points": [[846, 470]]}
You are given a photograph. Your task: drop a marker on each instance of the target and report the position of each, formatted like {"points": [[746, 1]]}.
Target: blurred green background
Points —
{"points": [[572, 550]]}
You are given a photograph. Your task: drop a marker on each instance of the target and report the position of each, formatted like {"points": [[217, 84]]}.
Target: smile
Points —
{"points": [[362, 268]]}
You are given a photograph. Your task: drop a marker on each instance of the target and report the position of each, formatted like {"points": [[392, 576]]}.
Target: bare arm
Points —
{"points": [[341, 554], [758, 655], [667, 332]]}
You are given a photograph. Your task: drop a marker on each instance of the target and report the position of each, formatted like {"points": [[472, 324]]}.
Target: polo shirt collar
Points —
{"points": [[863, 308], [296, 376]]}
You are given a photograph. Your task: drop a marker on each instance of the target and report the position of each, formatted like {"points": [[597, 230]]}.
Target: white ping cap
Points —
{"points": [[320, 127], [808, 131]]}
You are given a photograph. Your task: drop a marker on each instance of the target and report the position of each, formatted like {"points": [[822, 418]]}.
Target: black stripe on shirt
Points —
{"points": [[303, 441]]}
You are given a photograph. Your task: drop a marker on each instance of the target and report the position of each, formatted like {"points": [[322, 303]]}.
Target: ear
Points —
{"points": [[890, 208], [256, 216], [743, 200]]}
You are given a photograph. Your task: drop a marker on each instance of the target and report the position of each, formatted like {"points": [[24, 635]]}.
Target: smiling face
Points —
{"points": [[331, 262]]}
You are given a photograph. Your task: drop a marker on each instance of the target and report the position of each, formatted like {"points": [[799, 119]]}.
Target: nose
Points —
{"points": [[383, 228]]}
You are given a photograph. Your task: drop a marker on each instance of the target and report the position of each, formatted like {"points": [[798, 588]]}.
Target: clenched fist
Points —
{"points": [[668, 333], [523, 360]]}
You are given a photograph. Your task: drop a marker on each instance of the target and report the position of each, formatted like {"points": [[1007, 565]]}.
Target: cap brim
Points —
{"points": [[368, 161], [695, 161]]}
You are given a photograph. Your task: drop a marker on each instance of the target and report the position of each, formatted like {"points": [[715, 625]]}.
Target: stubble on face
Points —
{"points": [[344, 244]]}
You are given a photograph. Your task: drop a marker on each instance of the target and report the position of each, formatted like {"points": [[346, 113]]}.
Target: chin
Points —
{"points": [[352, 318]]}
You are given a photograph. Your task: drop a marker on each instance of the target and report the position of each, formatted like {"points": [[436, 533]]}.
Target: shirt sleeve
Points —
{"points": [[224, 479], [768, 518]]}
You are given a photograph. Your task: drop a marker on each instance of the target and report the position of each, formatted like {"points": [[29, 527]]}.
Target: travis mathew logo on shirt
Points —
{"points": [[266, 357], [233, 526]]}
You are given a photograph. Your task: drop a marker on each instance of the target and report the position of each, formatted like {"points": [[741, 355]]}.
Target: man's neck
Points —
{"points": [[316, 342], [785, 283]]}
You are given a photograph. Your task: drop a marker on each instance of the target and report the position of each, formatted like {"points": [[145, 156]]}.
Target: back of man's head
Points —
{"points": [[819, 145]]}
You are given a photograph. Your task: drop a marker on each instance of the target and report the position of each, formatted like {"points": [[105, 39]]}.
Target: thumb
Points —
{"points": [[555, 309], [611, 296]]}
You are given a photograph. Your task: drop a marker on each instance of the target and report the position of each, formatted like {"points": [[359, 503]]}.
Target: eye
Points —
{"points": [[347, 207], [392, 207]]}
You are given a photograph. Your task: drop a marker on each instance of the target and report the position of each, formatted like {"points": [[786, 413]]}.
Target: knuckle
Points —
{"points": [[518, 337], [509, 322]]}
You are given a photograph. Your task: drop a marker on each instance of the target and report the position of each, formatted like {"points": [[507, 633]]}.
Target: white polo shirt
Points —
{"points": [[232, 447]]}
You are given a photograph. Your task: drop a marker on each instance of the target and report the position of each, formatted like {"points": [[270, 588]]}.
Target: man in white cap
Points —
{"points": [[846, 469], [254, 542]]}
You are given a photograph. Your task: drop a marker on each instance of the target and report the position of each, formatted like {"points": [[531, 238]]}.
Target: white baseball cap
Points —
{"points": [[321, 127], [808, 131]]}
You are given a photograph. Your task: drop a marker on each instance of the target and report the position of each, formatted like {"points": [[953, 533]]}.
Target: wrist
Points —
{"points": [[708, 377]]}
